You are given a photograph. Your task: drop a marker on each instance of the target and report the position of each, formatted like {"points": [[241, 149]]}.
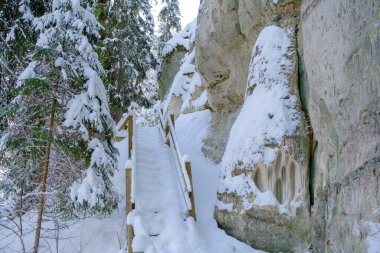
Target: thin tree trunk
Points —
{"points": [[118, 114], [21, 208], [45, 171]]}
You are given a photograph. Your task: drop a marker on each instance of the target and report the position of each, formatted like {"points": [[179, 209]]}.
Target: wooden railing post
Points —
{"points": [[128, 190], [130, 233], [191, 194], [124, 126], [128, 205], [172, 119], [130, 135]]}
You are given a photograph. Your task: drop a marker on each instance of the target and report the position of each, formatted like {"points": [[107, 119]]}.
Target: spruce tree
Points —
{"points": [[126, 52], [170, 21], [60, 139], [16, 40]]}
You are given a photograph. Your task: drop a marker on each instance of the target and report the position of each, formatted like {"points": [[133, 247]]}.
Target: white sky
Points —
{"points": [[189, 11], [188, 8]]}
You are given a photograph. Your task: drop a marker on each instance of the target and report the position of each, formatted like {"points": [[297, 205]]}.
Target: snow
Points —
{"points": [[91, 106], [159, 219], [11, 34], [184, 38], [269, 113], [122, 121], [201, 100], [191, 129], [27, 73], [91, 235], [373, 238], [187, 81], [160, 209], [129, 164], [92, 186], [225, 207]]}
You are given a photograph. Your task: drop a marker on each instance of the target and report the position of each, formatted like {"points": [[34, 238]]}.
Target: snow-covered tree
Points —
{"points": [[126, 52], [61, 131], [16, 40], [170, 21]]}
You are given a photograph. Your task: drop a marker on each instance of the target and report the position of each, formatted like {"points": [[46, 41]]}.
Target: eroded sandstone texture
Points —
{"points": [[226, 34], [337, 78], [168, 69], [342, 60]]}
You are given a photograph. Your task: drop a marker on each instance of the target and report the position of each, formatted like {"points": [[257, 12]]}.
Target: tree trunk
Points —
{"points": [[45, 171], [118, 114], [21, 209]]}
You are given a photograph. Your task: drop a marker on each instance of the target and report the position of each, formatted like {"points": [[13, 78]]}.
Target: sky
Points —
{"points": [[188, 8], [189, 11]]}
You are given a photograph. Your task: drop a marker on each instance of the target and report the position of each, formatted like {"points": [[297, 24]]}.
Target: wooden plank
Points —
{"points": [[130, 235], [167, 130], [118, 138], [124, 126], [128, 190], [129, 205], [191, 194], [130, 135], [173, 120]]}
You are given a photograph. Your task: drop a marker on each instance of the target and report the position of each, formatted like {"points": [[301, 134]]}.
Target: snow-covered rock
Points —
{"points": [[265, 165], [186, 92]]}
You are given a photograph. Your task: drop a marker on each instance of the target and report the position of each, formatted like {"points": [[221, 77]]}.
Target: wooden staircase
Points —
{"points": [[127, 128]]}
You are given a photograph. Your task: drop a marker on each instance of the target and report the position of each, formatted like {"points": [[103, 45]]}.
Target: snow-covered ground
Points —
{"points": [[191, 130], [91, 235], [160, 217], [160, 209]]}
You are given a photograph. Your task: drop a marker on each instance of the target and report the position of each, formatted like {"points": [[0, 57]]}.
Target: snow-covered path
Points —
{"points": [[160, 216], [157, 195], [160, 219]]}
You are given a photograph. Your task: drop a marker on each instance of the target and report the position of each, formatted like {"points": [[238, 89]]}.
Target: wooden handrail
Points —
{"points": [[128, 123], [183, 166], [121, 126]]}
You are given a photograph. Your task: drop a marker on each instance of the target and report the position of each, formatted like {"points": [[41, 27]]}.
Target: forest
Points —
{"points": [[68, 71]]}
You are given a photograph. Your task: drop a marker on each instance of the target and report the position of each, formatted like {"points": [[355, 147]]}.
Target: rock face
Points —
{"points": [[338, 80], [342, 60], [168, 69], [264, 176], [308, 178], [222, 59], [186, 92], [226, 34]]}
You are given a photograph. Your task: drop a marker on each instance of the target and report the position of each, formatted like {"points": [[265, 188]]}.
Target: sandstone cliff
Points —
{"points": [[293, 89]]}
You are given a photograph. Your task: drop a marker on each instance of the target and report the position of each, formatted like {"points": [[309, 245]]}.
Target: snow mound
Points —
{"points": [[373, 239], [184, 38], [269, 114]]}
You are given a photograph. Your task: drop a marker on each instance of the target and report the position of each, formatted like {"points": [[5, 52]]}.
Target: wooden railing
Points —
{"points": [[127, 123], [126, 128], [182, 162]]}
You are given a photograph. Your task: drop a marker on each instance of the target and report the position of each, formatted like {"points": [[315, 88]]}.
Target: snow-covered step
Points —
{"points": [[157, 194]]}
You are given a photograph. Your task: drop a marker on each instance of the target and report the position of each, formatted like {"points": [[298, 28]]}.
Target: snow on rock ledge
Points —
{"points": [[184, 38], [264, 167], [269, 112], [186, 93]]}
